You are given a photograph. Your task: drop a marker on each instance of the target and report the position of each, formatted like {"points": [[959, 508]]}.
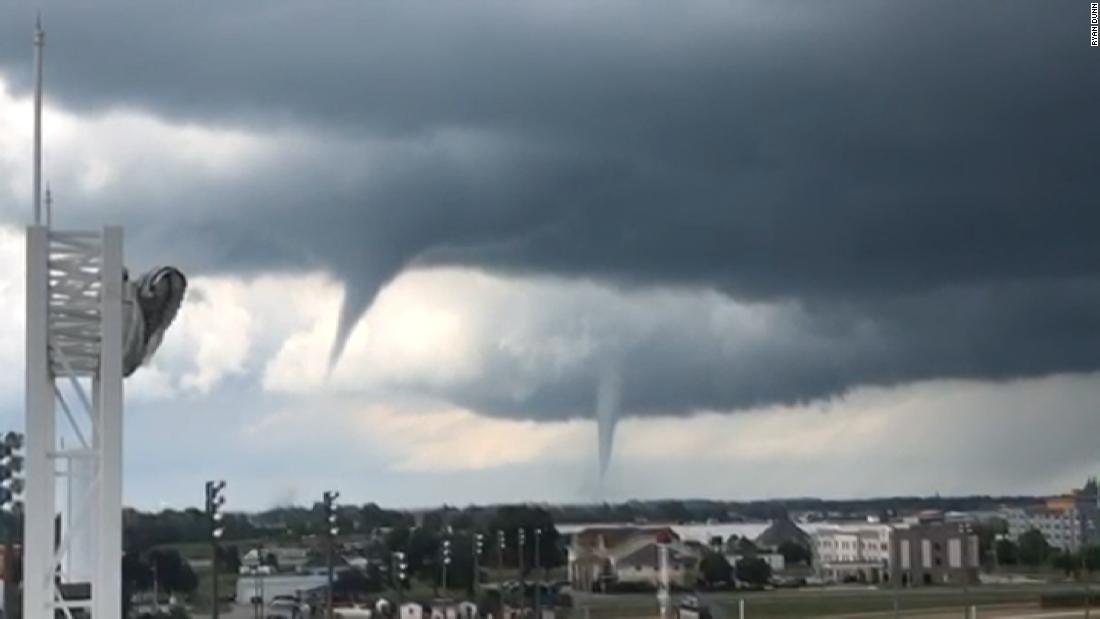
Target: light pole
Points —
{"points": [[258, 583], [521, 538], [329, 501], [501, 543], [521, 542], [257, 605], [965, 528], [895, 570], [263, 591], [1084, 563], [397, 573], [662, 580], [538, 578], [156, 587], [214, 502], [445, 553], [997, 539], [479, 540]]}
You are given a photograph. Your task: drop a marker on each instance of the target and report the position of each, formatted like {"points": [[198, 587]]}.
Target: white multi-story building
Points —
{"points": [[852, 552], [921, 550], [1067, 522], [1062, 528]]}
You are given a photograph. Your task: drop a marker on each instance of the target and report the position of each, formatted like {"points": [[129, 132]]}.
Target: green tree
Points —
{"points": [[172, 572], [136, 572], [422, 554], [671, 511], [987, 536], [371, 517], [795, 553], [1092, 558], [753, 570], [512, 518], [1007, 552], [715, 569], [229, 558], [1033, 548], [1068, 563], [398, 538]]}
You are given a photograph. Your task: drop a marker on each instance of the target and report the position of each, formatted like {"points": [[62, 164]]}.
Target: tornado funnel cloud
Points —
{"points": [[357, 300], [608, 400]]}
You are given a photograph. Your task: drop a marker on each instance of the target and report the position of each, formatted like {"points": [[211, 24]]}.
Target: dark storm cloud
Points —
{"points": [[920, 178]]}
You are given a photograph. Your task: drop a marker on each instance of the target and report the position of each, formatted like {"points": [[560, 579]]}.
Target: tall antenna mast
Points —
{"points": [[39, 43]]}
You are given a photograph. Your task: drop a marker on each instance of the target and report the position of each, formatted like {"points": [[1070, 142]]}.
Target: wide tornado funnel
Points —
{"points": [[154, 300]]}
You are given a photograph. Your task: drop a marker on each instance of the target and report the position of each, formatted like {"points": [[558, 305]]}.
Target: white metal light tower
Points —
{"points": [[87, 328], [74, 366]]}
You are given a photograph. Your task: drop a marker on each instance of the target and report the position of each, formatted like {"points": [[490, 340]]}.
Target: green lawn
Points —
{"points": [[786, 604], [203, 550]]}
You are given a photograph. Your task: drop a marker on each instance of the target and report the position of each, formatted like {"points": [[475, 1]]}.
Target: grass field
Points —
{"points": [[818, 603], [203, 550]]}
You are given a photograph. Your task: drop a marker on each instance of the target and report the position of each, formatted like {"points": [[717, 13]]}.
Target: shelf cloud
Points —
{"points": [[889, 194]]}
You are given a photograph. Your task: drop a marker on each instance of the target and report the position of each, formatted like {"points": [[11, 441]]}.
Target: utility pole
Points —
{"points": [[214, 502], [329, 499]]}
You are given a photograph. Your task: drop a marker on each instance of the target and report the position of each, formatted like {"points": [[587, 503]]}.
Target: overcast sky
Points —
{"points": [[842, 249]]}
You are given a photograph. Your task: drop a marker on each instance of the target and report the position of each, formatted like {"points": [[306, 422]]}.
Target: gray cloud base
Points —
{"points": [[917, 180]]}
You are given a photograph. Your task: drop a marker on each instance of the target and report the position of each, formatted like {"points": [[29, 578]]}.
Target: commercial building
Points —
{"points": [[933, 551], [1066, 521], [852, 552], [920, 551]]}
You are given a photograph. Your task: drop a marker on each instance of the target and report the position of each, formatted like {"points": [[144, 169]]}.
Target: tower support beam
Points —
{"points": [[41, 439]]}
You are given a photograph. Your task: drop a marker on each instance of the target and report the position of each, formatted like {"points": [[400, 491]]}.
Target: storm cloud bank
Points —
{"points": [[908, 190]]}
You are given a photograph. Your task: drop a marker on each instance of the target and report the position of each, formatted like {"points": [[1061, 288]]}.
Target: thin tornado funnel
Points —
{"points": [[608, 397]]}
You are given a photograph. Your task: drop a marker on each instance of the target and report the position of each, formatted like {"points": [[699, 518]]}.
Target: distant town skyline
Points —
{"points": [[774, 251]]}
